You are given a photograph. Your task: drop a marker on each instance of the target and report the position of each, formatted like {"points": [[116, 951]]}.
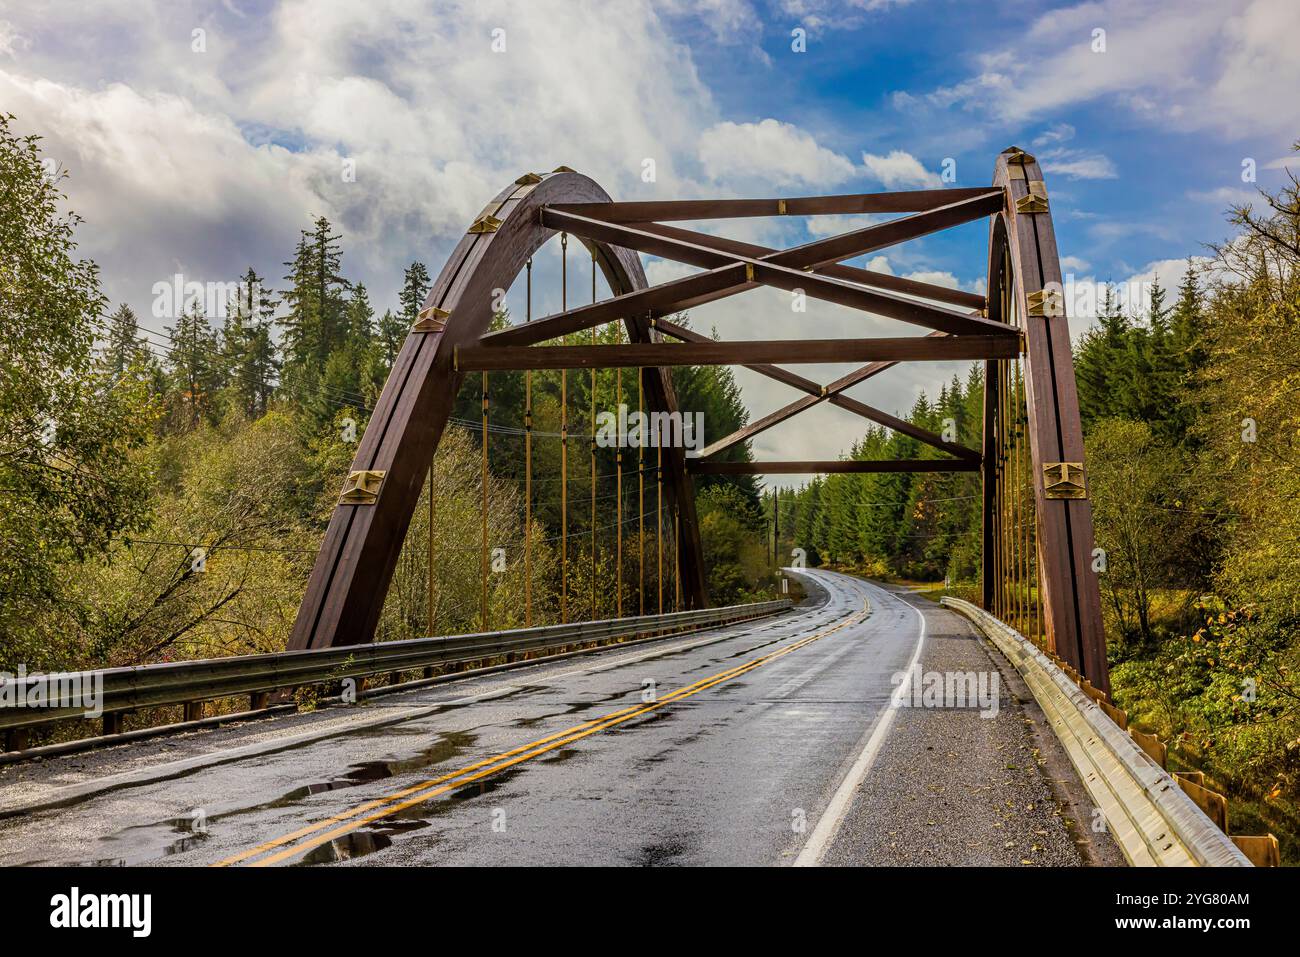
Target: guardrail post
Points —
{"points": [[113, 722], [17, 739], [1262, 850], [194, 711], [259, 700]]}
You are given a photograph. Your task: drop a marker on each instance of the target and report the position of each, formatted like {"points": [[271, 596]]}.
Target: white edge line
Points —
{"points": [[829, 824]]}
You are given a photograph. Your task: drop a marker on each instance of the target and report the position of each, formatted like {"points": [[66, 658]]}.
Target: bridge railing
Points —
{"points": [[1156, 818], [41, 699]]}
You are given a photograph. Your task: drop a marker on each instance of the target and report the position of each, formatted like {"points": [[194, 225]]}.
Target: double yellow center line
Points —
{"points": [[340, 825]]}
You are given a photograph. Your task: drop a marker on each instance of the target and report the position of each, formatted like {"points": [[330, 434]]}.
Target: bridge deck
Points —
{"points": [[751, 737]]}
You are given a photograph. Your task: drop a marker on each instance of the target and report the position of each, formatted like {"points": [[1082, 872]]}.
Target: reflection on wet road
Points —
{"points": [[719, 752]]}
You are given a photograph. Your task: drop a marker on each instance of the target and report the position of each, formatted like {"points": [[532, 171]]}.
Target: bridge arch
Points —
{"points": [[348, 583], [1031, 458], [1033, 433]]}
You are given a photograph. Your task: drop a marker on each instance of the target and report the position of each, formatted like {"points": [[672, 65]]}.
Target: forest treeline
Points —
{"points": [[1192, 430], [166, 491]]}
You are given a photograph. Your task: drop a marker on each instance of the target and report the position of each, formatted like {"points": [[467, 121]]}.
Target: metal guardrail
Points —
{"points": [[189, 682], [1151, 819]]}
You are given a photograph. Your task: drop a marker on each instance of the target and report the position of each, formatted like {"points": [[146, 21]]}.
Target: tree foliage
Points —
{"points": [[68, 422]]}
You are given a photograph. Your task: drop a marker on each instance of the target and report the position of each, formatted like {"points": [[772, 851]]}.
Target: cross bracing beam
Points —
{"points": [[698, 467], [712, 352], [833, 390], [863, 277], [784, 268], [817, 393], [761, 269]]}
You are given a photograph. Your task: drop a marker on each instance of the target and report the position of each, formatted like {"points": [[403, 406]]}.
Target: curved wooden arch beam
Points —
{"points": [[345, 593], [1065, 529]]}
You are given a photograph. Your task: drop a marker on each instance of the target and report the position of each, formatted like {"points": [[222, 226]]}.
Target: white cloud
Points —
{"points": [[162, 155], [778, 153], [900, 170], [206, 163], [1060, 133], [1183, 64], [164, 187], [729, 20], [819, 226], [1224, 196], [836, 14], [935, 277], [1077, 164], [11, 40]]}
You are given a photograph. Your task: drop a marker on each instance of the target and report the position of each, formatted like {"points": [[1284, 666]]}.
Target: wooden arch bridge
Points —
{"points": [[1037, 524]]}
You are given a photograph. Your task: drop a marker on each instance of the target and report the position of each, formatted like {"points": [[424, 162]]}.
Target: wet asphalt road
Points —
{"points": [[738, 770]]}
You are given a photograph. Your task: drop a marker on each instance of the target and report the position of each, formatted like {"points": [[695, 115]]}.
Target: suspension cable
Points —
{"points": [[528, 464], [564, 443]]}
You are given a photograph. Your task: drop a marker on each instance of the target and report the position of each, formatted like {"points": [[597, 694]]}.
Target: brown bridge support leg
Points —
{"points": [[1024, 262], [354, 567]]}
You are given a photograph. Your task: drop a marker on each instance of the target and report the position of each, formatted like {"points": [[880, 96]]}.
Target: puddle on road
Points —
{"points": [[380, 834], [557, 757], [745, 651], [356, 844], [653, 717], [665, 852], [450, 744], [579, 707], [177, 835], [359, 843]]}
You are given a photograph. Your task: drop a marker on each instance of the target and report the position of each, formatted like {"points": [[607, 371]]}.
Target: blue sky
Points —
{"points": [[200, 137], [862, 86]]}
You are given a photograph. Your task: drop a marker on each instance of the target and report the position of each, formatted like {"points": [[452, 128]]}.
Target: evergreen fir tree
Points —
{"points": [[124, 346], [392, 331], [316, 324], [194, 364], [415, 286]]}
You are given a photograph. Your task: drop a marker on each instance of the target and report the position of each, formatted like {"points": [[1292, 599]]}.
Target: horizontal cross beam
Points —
{"points": [[634, 355], [902, 201], [697, 467]]}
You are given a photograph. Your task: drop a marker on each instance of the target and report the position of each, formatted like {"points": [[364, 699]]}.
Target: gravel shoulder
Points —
{"points": [[954, 787]]}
